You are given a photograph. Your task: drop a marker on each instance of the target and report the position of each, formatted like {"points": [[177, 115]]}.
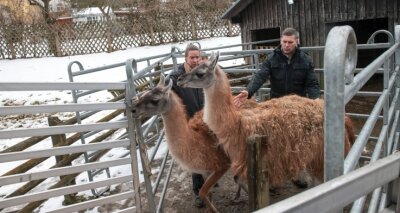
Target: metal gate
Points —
{"points": [[340, 86]]}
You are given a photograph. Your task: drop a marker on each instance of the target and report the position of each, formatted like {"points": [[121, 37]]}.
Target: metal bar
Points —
{"points": [[15, 156], [392, 134], [382, 203], [359, 203], [355, 152], [140, 73], [393, 105], [30, 176], [35, 86], [361, 78], [396, 142], [155, 150], [82, 72], [342, 190], [93, 203], [150, 123], [127, 210], [56, 130], [356, 115], [14, 201], [163, 193], [373, 204], [160, 173], [130, 91], [339, 57], [81, 94], [14, 110], [314, 48]]}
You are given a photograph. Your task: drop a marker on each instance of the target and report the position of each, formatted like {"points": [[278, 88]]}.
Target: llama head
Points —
{"points": [[202, 76], [153, 101]]}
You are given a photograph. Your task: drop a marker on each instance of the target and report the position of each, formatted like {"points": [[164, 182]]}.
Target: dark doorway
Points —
{"points": [[364, 29], [266, 34]]}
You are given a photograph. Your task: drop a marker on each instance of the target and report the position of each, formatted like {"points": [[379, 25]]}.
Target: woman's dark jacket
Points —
{"points": [[296, 76], [192, 98]]}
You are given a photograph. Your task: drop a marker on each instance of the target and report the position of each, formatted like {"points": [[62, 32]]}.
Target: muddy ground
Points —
{"points": [[180, 197]]}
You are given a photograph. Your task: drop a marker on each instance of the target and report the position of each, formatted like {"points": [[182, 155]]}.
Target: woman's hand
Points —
{"points": [[239, 99]]}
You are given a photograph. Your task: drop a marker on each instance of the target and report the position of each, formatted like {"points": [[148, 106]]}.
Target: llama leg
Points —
{"points": [[241, 185], [210, 181]]}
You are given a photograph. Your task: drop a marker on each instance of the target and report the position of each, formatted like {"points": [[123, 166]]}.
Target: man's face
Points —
{"points": [[288, 44], [193, 58]]}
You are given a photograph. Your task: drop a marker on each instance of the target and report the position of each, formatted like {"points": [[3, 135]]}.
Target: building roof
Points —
{"points": [[235, 9]]}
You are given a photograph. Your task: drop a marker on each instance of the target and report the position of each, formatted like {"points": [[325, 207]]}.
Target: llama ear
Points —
{"points": [[214, 60], [168, 87], [168, 81], [161, 82]]}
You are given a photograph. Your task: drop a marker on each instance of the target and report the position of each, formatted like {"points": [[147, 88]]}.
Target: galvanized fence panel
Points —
{"points": [[380, 175], [28, 201], [155, 65]]}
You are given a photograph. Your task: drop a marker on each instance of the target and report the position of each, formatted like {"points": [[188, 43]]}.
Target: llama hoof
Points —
{"points": [[198, 202], [302, 184]]}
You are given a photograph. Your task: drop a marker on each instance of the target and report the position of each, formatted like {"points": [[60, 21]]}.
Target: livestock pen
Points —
{"points": [[342, 186]]}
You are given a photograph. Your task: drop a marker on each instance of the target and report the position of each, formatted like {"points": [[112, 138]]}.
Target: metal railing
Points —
{"points": [[381, 174], [142, 73], [66, 171]]}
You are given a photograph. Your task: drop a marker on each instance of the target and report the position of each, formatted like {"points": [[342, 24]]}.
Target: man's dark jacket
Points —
{"points": [[192, 98], [296, 76]]}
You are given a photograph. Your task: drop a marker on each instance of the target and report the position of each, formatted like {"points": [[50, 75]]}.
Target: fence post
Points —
{"points": [[230, 33], [152, 36], [109, 36], [61, 140], [340, 58], [193, 26], [10, 37], [257, 175], [57, 40]]}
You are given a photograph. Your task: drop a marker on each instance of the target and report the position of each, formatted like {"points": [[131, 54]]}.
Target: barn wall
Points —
{"points": [[263, 14], [314, 18]]}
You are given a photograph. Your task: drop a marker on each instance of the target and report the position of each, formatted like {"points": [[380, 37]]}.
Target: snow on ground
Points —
{"points": [[54, 69]]}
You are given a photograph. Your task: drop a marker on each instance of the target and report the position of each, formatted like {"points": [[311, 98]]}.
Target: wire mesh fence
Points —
{"points": [[69, 38]]}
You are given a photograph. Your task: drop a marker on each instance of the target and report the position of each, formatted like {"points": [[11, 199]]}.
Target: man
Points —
{"points": [[289, 70], [193, 99]]}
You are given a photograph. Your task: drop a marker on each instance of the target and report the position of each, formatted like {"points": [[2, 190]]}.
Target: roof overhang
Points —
{"points": [[234, 11]]}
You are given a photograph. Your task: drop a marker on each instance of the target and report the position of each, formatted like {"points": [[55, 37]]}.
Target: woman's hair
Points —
{"points": [[191, 47]]}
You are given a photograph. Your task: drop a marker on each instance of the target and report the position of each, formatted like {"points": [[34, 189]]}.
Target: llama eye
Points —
{"points": [[199, 75], [154, 102]]}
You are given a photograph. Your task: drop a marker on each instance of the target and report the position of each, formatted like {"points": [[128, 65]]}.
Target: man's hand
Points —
{"points": [[239, 99]]}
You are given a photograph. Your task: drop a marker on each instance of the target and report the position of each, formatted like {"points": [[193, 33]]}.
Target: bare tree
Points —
{"points": [[105, 6]]}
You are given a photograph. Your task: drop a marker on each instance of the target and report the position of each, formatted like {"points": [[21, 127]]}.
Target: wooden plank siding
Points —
{"points": [[352, 10], [314, 18]]}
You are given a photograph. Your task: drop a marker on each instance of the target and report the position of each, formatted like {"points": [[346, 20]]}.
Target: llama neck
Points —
{"points": [[219, 104], [175, 118]]}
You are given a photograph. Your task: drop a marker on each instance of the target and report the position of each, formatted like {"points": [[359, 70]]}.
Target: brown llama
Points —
{"points": [[190, 142], [293, 126]]}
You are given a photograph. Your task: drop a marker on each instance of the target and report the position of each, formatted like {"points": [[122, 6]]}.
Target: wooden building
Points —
{"points": [[265, 19]]}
